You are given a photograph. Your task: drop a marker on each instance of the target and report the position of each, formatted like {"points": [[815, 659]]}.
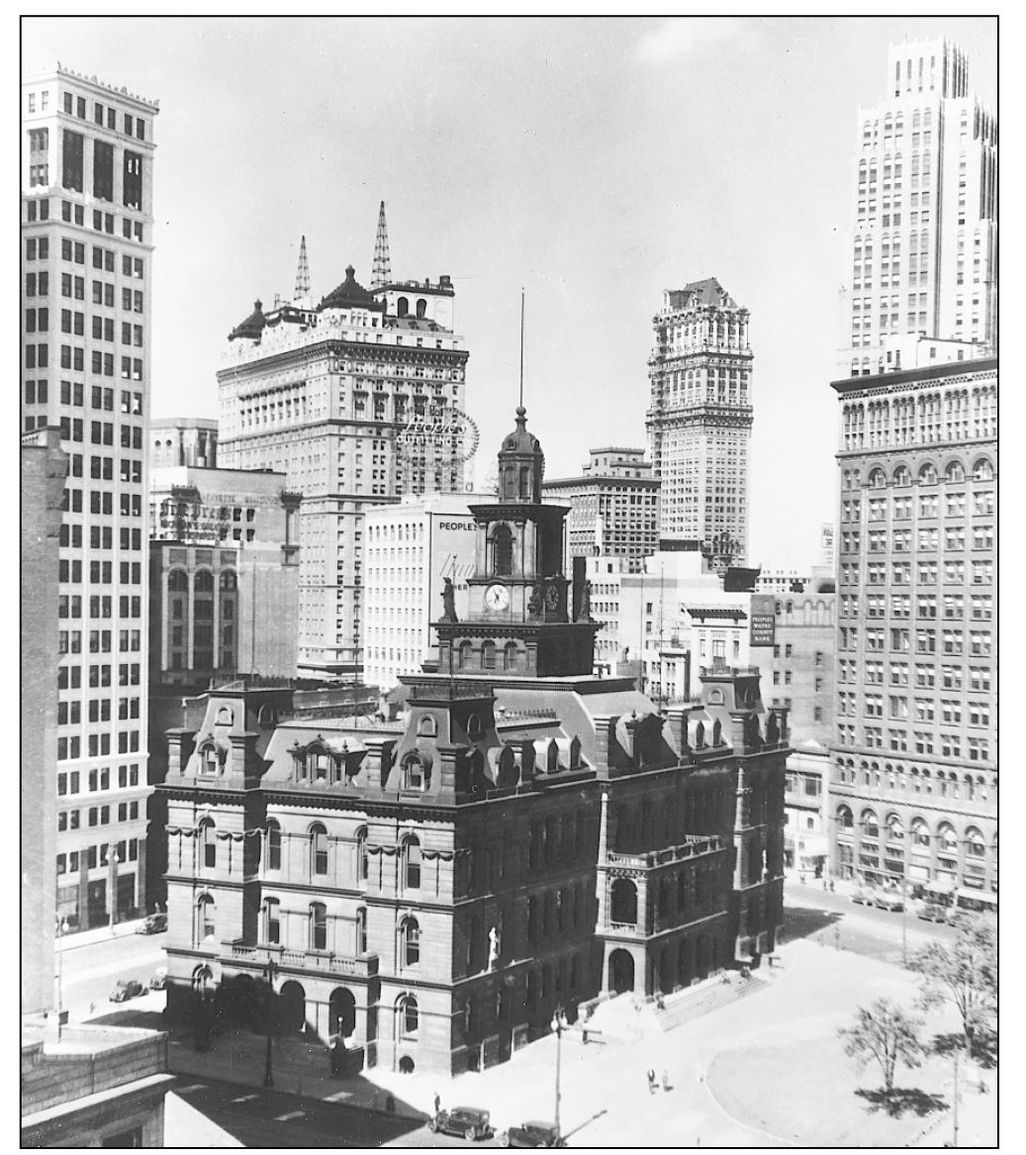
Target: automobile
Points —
{"points": [[154, 924], [126, 989], [889, 900], [470, 1122], [158, 980], [532, 1135], [863, 896], [933, 912]]}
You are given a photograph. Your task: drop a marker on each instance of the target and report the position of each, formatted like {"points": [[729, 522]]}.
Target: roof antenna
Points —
{"points": [[521, 346]]}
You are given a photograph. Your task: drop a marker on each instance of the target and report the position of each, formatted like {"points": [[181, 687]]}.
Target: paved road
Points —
{"points": [[259, 1118], [90, 972]]}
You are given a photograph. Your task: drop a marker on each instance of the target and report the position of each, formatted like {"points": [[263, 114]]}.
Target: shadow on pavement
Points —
{"points": [[805, 921], [150, 1020], [984, 1047], [902, 1100]]}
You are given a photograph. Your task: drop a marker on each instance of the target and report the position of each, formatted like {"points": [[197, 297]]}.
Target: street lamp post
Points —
{"points": [[63, 926], [558, 1025], [268, 1068]]}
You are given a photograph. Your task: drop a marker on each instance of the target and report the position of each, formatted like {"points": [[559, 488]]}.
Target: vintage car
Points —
{"points": [[862, 896], [125, 990], [933, 912], [470, 1122], [889, 900], [532, 1135], [154, 924], [158, 980]]}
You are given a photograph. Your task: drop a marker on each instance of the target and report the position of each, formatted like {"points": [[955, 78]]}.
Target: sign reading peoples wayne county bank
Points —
{"points": [[763, 620]]}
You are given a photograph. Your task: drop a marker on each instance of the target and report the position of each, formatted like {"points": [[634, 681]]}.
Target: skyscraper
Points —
{"points": [[924, 251], [700, 417], [87, 245], [358, 399]]}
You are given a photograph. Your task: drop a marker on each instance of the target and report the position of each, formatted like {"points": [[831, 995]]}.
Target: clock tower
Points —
{"points": [[519, 621]]}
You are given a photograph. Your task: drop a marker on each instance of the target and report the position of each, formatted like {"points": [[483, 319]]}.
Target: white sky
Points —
{"points": [[593, 161]]}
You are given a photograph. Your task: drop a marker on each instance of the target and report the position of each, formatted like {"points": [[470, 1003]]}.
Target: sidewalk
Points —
{"points": [[97, 934]]}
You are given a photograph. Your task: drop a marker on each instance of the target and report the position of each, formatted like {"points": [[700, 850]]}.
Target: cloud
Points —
{"points": [[689, 36]]}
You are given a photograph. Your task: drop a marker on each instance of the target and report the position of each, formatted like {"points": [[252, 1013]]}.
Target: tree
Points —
{"points": [[884, 1032], [964, 973]]}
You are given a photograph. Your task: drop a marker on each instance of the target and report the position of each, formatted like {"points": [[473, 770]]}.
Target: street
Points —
{"points": [[89, 972]]}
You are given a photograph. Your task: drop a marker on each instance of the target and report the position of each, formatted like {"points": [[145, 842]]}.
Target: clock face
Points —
{"points": [[496, 597]]}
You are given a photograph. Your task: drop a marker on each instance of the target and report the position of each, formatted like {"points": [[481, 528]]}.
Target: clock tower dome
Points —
{"points": [[519, 621]]}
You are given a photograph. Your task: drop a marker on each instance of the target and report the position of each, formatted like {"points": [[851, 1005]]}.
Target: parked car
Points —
{"points": [[889, 900], [470, 1122], [864, 896], [934, 912], [158, 980], [126, 989], [532, 1135], [154, 924]]}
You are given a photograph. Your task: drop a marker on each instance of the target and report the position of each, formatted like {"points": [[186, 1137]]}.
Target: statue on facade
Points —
{"points": [[585, 614], [449, 602], [537, 600], [493, 947]]}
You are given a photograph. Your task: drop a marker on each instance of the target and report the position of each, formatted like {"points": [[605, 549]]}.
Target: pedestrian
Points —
{"points": [[831, 886], [666, 1080], [651, 1082], [438, 1102]]}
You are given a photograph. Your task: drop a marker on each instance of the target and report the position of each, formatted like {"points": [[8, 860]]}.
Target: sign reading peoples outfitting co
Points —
{"points": [[443, 431]]}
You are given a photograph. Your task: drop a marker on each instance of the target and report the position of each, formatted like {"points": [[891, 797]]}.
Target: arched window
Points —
{"points": [[411, 863], [402, 306], [318, 849], [421, 308], [413, 773], [177, 581], [870, 827], [895, 830], [228, 580], [877, 480], [844, 816], [272, 921], [902, 476], [983, 470], [624, 902], [427, 727], [273, 845], [409, 934], [502, 550], [975, 846], [203, 582], [928, 474], [955, 471], [318, 926], [525, 483], [509, 656], [361, 854], [209, 763], [487, 655], [947, 838], [206, 918], [465, 655], [208, 842], [409, 1017]]}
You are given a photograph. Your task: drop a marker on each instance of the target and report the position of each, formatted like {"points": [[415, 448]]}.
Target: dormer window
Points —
{"points": [[209, 763], [414, 774]]}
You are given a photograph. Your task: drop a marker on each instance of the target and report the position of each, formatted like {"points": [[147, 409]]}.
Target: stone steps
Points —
{"points": [[714, 994]]}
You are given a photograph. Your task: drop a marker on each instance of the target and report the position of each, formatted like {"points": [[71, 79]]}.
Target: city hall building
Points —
{"points": [[526, 837]]}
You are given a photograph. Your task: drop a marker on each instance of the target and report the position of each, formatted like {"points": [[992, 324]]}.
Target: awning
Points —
{"points": [[939, 887], [734, 613], [977, 895]]}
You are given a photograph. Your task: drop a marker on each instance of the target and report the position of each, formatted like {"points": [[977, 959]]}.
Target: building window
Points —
{"points": [[208, 842], [318, 849], [411, 863], [318, 926], [273, 846], [409, 1018], [206, 913], [502, 550], [272, 921], [361, 854], [410, 942]]}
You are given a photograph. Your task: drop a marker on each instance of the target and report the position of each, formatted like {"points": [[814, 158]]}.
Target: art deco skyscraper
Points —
{"points": [[924, 251], [86, 247], [700, 417]]}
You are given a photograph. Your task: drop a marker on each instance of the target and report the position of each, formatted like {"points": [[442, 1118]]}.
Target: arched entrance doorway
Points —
{"points": [[293, 1007], [621, 971], [341, 1012]]}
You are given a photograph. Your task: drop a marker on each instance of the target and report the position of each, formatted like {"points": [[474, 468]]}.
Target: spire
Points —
{"points": [[302, 273], [382, 262]]}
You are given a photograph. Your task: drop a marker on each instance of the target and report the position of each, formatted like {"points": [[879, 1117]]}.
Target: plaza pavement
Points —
{"points": [[766, 1070]]}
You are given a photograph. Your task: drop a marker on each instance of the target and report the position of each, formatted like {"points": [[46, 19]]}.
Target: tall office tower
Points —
{"points": [[700, 417], [358, 400], [87, 247], [613, 506], [924, 252], [914, 762]]}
